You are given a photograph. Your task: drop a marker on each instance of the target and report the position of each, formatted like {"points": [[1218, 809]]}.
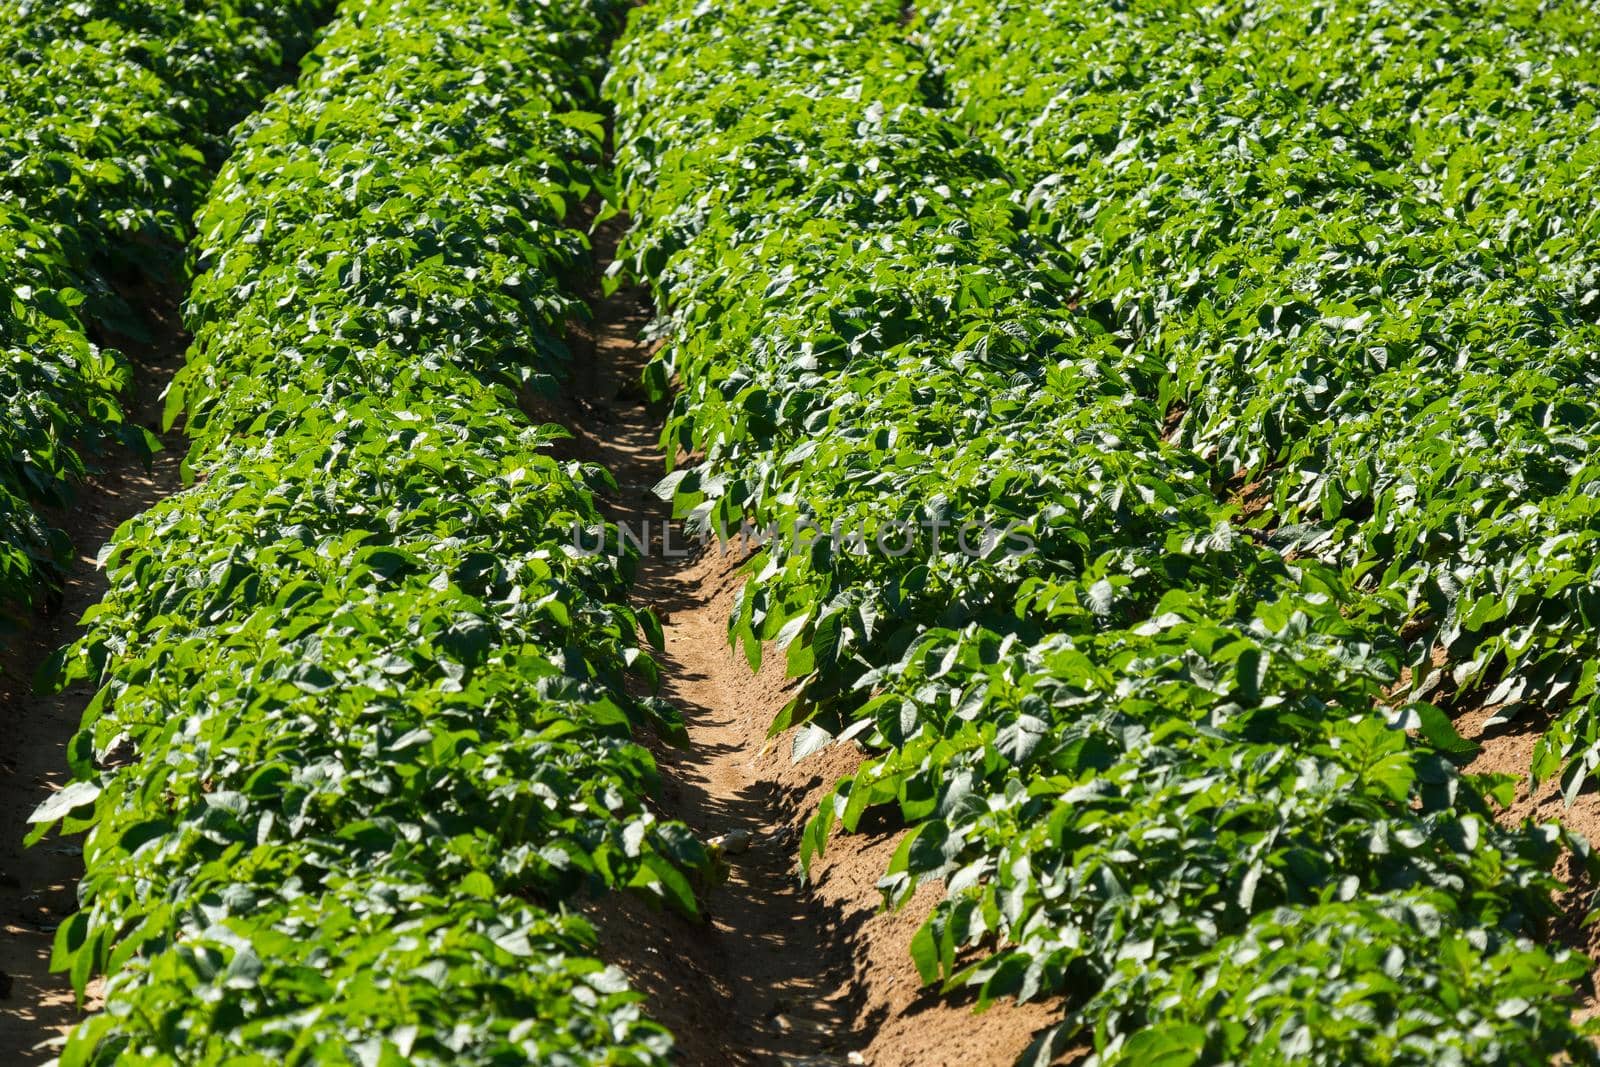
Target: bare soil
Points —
{"points": [[38, 886], [781, 972], [1508, 749]]}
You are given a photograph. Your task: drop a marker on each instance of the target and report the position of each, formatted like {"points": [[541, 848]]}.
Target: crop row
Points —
{"points": [[363, 728], [1359, 239], [1135, 741], [114, 115]]}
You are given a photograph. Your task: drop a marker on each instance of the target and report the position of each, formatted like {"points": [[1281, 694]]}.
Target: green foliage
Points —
{"points": [[1358, 238], [1147, 756], [1378, 980], [115, 118], [363, 727]]}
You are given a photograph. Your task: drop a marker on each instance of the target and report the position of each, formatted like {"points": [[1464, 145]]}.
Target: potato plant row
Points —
{"points": [[363, 730], [1360, 240], [1133, 739], [115, 118]]}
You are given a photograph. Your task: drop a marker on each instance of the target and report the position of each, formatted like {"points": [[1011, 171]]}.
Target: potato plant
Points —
{"points": [[1146, 757], [1358, 238], [362, 730], [116, 115]]}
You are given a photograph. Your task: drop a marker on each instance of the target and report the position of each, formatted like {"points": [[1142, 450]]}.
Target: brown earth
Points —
{"points": [[1507, 748], [782, 971], [38, 886]]}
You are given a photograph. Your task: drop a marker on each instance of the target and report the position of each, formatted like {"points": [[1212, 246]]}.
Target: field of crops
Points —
{"points": [[1169, 425]]}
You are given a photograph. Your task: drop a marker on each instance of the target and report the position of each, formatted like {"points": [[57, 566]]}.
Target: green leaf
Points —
{"points": [[65, 801], [1165, 1046]]}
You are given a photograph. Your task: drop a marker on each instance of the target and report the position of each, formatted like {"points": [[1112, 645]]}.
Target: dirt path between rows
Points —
{"points": [[781, 973], [38, 886]]}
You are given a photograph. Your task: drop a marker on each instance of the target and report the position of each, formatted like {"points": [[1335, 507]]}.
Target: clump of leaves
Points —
{"points": [[363, 729], [1355, 235], [116, 115], [1137, 753]]}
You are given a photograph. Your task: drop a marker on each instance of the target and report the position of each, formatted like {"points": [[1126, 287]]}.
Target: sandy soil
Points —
{"points": [[1508, 749]]}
